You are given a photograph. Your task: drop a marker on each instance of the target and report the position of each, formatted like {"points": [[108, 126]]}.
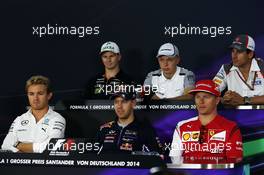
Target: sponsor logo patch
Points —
{"points": [[258, 82], [46, 121], [191, 136], [217, 135], [126, 146], [217, 81], [24, 122], [130, 132]]}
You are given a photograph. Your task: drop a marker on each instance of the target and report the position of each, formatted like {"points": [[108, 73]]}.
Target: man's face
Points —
{"points": [[206, 103], [241, 58], [123, 108], [110, 60], [168, 64], [38, 97]]}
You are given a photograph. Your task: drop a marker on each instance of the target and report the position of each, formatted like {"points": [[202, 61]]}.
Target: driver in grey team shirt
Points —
{"points": [[170, 81]]}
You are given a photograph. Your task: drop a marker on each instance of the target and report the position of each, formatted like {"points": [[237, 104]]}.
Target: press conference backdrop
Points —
{"points": [[61, 39]]}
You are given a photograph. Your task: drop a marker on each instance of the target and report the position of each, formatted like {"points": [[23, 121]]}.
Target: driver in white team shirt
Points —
{"points": [[243, 77], [171, 80], [32, 131]]}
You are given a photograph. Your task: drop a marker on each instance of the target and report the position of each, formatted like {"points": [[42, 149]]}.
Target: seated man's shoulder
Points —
{"points": [[56, 116], [260, 63], [260, 60], [21, 119], [99, 76], [184, 71], [154, 73], [187, 122], [226, 67], [107, 125], [227, 123], [24, 116]]}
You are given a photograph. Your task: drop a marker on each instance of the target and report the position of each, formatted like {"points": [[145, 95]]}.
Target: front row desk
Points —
{"points": [[85, 117], [108, 164]]}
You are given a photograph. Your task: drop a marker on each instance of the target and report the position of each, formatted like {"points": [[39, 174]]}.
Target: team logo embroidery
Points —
{"points": [[186, 136], [46, 121], [110, 137], [126, 146], [258, 82], [217, 135], [218, 81], [107, 125], [131, 132], [24, 122], [127, 139], [211, 132], [190, 136], [98, 90], [112, 132], [44, 129], [195, 136]]}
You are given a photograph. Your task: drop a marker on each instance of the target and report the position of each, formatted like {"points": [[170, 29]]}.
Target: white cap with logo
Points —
{"points": [[110, 47], [168, 49]]}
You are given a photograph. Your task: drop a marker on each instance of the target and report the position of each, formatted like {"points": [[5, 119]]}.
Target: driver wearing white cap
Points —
{"points": [[103, 85], [171, 81]]}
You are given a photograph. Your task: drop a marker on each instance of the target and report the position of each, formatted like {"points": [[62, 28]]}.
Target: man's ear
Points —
{"points": [[218, 100], [251, 54], [178, 59], [134, 102], [50, 95], [119, 57]]}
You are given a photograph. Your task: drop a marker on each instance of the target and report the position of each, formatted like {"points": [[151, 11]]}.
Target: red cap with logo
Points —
{"points": [[208, 86]]}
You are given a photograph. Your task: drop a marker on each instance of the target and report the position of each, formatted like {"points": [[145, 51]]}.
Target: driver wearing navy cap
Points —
{"points": [[126, 133]]}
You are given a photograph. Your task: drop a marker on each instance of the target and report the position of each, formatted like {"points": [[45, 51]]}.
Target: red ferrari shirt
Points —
{"points": [[217, 142]]}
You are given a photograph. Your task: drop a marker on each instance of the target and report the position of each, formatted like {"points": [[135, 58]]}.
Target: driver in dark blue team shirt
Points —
{"points": [[126, 133]]}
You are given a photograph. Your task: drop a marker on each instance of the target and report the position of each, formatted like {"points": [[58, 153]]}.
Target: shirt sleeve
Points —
{"points": [[189, 80], [152, 141], [176, 147], [11, 138], [220, 79], [56, 130], [148, 90], [100, 135], [234, 147], [148, 80]]}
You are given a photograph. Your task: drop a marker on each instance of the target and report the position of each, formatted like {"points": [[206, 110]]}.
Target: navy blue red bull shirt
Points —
{"points": [[136, 136]]}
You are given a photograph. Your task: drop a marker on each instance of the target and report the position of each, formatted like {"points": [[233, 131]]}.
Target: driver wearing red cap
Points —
{"points": [[209, 137]]}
